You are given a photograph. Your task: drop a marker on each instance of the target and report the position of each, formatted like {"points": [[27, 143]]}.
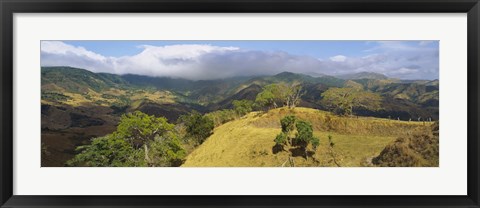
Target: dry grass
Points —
{"points": [[92, 97], [420, 149], [161, 97], [248, 142], [326, 121]]}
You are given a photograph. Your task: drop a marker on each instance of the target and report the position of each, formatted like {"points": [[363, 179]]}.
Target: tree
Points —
{"points": [[342, 100], [295, 134], [108, 151], [285, 137], [305, 136], [169, 153], [198, 126], [288, 123], [242, 107], [284, 93], [281, 139], [140, 129], [292, 95], [140, 140], [267, 98]]}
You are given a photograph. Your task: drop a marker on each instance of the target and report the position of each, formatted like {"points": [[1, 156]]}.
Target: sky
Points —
{"points": [[205, 60]]}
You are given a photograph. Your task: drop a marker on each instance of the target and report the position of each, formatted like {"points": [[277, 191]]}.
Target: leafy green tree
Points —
{"points": [[281, 139], [198, 126], [140, 129], [288, 123], [288, 126], [242, 107], [140, 140], [303, 136], [267, 98], [287, 94], [342, 100], [108, 151], [292, 94], [170, 153]]}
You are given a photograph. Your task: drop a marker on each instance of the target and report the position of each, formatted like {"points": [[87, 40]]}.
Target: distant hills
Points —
{"points": [[362, 75], [210, 95]]}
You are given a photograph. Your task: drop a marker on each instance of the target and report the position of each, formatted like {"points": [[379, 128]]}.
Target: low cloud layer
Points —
{"points": [[199, 62]]}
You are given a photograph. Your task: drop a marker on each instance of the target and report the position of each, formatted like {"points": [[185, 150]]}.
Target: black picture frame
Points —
{"points": [[9, 7]]}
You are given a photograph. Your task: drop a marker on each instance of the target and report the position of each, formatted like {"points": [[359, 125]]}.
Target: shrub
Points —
{"points": [[198, 127], [53, 96], [242, 107], [222, 116]]}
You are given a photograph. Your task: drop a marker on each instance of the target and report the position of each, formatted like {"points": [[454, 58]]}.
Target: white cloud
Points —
{"points": [[174, 60], [213, 62], [182, 51], [58, 47], [338, 58], [403, 71]]}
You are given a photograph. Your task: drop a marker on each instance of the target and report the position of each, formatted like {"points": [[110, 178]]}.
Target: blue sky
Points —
{"points": [[319, 49], [221, 59]]}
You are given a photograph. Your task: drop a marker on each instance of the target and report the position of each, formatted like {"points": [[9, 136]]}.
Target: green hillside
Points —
{"points": [[363, 75], [79, 80], [402, 98]]}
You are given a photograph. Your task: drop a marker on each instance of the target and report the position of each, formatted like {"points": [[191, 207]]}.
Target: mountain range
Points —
{"points": [[210, 95]]}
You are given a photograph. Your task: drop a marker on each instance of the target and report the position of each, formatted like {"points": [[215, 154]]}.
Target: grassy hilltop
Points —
{"points": [[248, 141]]}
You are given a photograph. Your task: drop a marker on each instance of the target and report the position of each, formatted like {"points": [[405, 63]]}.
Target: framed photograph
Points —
{"points": [[268, 103]]}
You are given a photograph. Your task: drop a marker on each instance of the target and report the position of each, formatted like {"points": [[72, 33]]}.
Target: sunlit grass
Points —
{"points": [[248, 142], [112, 96]]}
